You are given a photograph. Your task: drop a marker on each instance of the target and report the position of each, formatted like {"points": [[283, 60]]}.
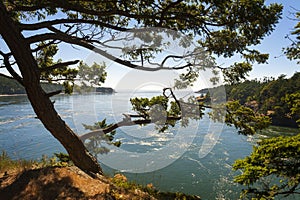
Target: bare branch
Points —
{"points": [[9, 77], [42, 37], [50, 94], [48, 24], [9, 68], [45, 45], [13, 72], [170, 56], [59, 79], [105, 45], [183, 66], [59, 65], [4, 54], [87, 43], [173, 96], [58, 35]]}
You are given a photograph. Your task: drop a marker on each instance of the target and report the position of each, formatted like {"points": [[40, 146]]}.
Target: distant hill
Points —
{"points": [[11, 86]]}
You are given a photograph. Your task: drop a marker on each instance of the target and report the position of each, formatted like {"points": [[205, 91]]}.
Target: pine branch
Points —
{"points": [[127, 121]]}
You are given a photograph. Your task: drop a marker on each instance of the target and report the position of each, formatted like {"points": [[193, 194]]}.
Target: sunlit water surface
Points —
{"points": [[209, 176]]}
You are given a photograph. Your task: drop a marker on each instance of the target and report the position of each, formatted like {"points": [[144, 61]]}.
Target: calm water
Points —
{"points": [[208, 175]]}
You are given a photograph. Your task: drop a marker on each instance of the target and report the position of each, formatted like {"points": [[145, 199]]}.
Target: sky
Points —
{"points": [[277, 64], [273, 44]]}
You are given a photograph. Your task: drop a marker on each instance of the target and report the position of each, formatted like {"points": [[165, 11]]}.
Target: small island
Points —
{"points": [[105, 90]]}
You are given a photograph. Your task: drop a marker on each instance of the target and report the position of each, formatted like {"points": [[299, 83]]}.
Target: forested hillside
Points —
{"points": [[11, 86], [268, 97]]}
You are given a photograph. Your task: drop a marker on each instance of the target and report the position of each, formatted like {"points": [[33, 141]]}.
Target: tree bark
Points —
{"points": [[39, 100]]}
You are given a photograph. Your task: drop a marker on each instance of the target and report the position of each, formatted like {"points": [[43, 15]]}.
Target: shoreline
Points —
{"points": [[11, 95]]}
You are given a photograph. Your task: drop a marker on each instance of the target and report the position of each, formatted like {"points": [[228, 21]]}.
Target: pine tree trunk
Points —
{"points": [[42, 104]]}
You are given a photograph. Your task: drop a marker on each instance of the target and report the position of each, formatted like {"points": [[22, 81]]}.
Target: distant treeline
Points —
{"points": [[11, 86], [265, 96]]}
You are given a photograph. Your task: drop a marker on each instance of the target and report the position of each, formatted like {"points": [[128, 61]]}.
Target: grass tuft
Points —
{"points": [[6, 163]]}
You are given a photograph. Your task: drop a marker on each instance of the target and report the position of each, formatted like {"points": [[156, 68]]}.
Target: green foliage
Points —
{"points": [[293, 51], [234, 37], [165, 110], [255, 55], [275, 158], [63, 159], [150, 107], [174, 109], [59, 159], [267, 97], [237, 72], [245, 119], [123, 183], [90, 76], [272, 169], [271, 96], [68, 87], [293, 101], [6, 163], [44, 56], [245, 91], [97, 144], [93, 75], [45, 61]]}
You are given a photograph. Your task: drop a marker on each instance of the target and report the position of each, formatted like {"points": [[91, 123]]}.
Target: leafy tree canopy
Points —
{"points": [[293, 51]]}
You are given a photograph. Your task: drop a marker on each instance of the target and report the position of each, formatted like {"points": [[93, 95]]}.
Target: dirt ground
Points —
{"points": [[61, 183]]}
